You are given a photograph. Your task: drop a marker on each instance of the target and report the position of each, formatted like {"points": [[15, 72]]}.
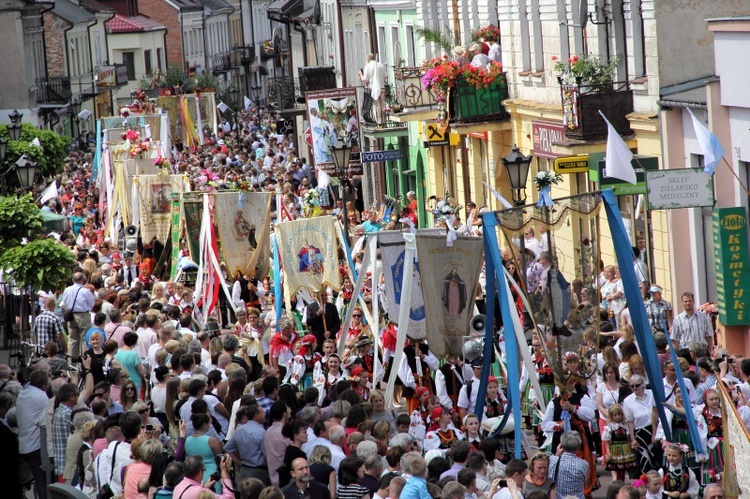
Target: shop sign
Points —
{"points": [[681, 188], [640, 165], [732, 265], [380, 156], [435, 137], [572, 164], [544, 135]]}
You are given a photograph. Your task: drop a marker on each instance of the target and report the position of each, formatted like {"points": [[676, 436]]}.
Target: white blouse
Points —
{"points": [[639, 410]]}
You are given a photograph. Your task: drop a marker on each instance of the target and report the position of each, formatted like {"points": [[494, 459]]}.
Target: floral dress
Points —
{"points": [[620, 455], [715, 454]]}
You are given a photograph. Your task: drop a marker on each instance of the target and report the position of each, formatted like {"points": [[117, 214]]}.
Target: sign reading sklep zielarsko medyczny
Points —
{"points": [[732, 267], [378, 156], [681, 188]]}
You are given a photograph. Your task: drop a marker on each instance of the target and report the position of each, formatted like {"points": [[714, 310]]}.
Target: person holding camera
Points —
{"points": [[194, 482]]}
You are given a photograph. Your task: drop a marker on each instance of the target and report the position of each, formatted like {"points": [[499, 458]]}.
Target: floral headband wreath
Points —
{"points": [[679, 447]]}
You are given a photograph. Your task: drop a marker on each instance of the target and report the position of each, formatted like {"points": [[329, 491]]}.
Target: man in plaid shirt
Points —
{"points": [[48, 326], [62, 425]]}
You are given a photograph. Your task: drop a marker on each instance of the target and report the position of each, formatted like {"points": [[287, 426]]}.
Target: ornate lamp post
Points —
{"points": [[517, 167], [75, 108], [14, 129], [341, 153]]}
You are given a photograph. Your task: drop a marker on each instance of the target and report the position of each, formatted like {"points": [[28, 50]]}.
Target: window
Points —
{"points": [[382, 52], [396, 44], [147, 61], [160, 59], [411, 54], [639, 50], [523, 17], [98, 47], [537, 36], [128, 58]]}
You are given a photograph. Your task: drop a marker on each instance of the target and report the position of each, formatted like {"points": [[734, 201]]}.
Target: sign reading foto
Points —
{"points": [[379, 156], [681, 188], [732, 267]]}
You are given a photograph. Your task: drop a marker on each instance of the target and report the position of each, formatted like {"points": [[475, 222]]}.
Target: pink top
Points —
{"points": [[99, 445], [189, 489], [135, 471]]}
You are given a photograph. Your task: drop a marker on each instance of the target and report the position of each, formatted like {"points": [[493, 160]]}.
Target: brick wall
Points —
{"points": [[54, 41], [161, 11]]}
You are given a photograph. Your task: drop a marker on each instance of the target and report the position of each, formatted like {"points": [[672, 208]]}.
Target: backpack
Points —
{"points": [[163, 493], [80, 471]]}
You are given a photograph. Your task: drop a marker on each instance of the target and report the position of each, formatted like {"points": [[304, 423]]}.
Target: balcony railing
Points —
{"points": [[470, 104], [243, 56], [408, 91], [222, 62], [55, 90], [581, 104], [282, 92]]}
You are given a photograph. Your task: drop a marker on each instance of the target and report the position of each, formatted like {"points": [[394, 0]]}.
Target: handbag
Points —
{"points": [[68, 315], [105, 491]]}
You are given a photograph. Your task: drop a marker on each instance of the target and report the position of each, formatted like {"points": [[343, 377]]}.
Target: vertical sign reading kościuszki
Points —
{"points": [[732, 267]]}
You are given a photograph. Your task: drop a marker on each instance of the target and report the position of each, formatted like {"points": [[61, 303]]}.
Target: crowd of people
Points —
{"points": [[252, 408]]}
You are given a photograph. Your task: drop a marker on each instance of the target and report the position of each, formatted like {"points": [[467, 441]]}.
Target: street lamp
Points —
{"points": [[3, 148], [341, 154], [75, 108], [14, 129], [26, 170], [517, 167]]}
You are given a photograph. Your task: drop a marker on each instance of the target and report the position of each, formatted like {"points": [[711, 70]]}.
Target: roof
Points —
{"points": [[95, 6], [216, 5], [122, 24], [186, 5], [71, 12]]}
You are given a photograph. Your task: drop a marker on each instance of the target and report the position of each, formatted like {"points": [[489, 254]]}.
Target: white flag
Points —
{"points": [[323, 179], [709, 143], [84, 115], [35, 142], [248, 103], [617, 163], [49, 193], [222, 107]]}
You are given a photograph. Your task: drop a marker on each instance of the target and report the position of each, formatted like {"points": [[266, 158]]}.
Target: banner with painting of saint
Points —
{"points": [[309, 254], [449, 289], [155, 204], [392, 251], [193, 212], [244, 227]]}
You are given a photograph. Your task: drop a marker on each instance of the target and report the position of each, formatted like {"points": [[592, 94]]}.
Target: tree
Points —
{"points": [[41, 264], [49, 157], [19, 219]]}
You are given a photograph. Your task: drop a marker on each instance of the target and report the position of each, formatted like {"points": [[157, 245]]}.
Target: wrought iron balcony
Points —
{"points": [[54, 90], [243, 56], [581, 104], [222, 62], [408, 92], [282, 92], [470, 104]]}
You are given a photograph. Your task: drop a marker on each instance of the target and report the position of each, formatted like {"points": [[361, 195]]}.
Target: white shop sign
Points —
{"points": [[681, 188]]}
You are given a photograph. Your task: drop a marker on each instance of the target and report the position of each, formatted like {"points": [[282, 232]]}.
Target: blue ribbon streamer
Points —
{"points": [[566, 420], [95, 168], [544, 197], [277, 280]]}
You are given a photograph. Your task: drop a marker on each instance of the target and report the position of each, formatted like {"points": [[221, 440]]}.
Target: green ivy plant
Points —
{"points": [[49, 158], [20, 219], [41, 264]]}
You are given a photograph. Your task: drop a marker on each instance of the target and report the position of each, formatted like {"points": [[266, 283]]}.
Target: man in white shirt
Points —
{"points": [[119, 453], [467, 397], [30, 407], [494, 55], [515, 473], [374, 79]]}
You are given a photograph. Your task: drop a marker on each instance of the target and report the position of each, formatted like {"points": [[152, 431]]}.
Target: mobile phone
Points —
{"points": [[503, 484], [149, 427]]}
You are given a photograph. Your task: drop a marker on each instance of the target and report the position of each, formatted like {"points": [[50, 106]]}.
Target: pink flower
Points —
{"points": [[554, 57], [568, 60], [575, 58]]}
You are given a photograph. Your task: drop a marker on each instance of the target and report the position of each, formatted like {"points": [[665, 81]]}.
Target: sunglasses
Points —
{"points": [[357, 315], [636, 386], [143, 411]]}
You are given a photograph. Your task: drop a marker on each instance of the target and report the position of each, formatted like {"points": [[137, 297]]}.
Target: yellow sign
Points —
{"points": [[434, 137], [572, 164]]}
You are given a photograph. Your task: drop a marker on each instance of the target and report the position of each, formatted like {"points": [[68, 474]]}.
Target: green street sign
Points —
{"points": [[732, 265], [640, 165]]}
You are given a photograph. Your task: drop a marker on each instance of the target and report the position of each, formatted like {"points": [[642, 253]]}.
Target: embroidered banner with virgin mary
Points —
{"points": [[244, 230], [309, 254], [155, 204], [449, 289]]}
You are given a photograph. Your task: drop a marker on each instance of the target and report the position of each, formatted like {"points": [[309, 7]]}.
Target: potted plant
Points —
{"points": [[587, 70]]}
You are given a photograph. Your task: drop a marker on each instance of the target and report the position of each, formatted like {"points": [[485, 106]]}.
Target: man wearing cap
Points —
{"points": [[129, 269], [78, 300], [659, 311], [467, 397]]}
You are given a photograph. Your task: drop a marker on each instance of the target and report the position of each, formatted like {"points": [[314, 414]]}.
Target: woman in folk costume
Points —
{"points": [[249, 332], [363, 354], [715, 436], [344, 297], [356, 328], [442, 434], [422, 364], [546, 381], [320, 368], [300, 369], [282, 345], [327, 380], [573, 409], [360, 379]]}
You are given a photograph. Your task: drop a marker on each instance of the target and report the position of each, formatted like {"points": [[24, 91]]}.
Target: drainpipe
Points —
{"points": [[341, 44]]}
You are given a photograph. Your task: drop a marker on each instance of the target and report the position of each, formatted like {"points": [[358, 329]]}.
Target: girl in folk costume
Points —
{"points": [[355, 329], [442, 434], [421, 363], [620, 455], [471, 426], [360, 380], [320, 368], [345, 296], [495, 400], [282, 350], [678, 479], [249, 333], [546, 380], [334, 374], [364, 355], [494, 410], [715, 443], [680, 431], [300, 370]]}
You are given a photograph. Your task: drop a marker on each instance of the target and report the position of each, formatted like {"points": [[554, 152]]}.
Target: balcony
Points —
{"points": [[391, 127], [54, 90], [282, 92], [471, 105], [581, 104], [415, 103], [243, 56], [222, 63]]}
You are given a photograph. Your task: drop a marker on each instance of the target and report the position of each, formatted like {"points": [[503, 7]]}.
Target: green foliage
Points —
{"points": [[205, 80], [19, 218], [42, 264], [49, 158], [442, 39], [175, 76]]}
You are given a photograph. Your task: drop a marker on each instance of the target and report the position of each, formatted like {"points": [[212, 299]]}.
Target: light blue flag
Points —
{"points": [[712, 150]]}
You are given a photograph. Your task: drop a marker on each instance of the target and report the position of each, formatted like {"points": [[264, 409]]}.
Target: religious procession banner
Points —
{"points": [[736, 472], [155, 204], [243, 221], [192, 204], [449, 289], [309, 254], [392, 252]]}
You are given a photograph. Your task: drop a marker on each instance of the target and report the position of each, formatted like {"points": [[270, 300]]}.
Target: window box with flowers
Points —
{"points": [[475, 93], [587, 86]]}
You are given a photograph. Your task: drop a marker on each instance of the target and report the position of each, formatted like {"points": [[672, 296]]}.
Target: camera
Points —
{"points": [[149, 427], [215, 476], [503, 484]]}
